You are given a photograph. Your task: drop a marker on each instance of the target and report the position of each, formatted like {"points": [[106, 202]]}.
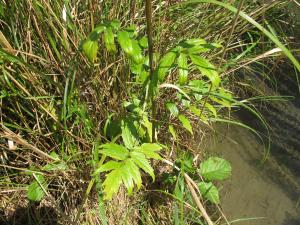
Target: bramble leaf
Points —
{"points": [[215, 168], [209, 191]]}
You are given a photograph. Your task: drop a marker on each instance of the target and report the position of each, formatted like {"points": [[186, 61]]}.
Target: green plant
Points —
{"points": [[135, 126]]}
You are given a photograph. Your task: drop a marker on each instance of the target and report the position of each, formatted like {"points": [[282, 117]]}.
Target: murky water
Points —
{"points": [[254, 190]]}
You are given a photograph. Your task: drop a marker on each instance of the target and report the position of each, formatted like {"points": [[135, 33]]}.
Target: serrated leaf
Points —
{"points": [[109, 40], [112, 183], [35, 192], [209, 191], [125, 42], [127, 178], [141, 161], [172, 108], [186, 123], [165, 64], [114, 151], [90, 49], [215, 168], [135, 172], [149, 150], [207, 69], [183, 68], [111, 165], [129, 134]]}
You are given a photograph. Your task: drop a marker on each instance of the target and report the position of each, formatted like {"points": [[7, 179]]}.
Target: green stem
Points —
{"points": [[152, 78]]}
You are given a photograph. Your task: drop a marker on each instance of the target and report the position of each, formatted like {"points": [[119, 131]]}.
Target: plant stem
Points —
{"points": [[150, 49]]}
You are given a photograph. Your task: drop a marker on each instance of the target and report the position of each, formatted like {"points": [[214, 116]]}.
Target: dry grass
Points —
{"points": [[53, 100]]}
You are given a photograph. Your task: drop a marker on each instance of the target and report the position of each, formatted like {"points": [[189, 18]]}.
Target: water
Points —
{"points": [[254, 190]]}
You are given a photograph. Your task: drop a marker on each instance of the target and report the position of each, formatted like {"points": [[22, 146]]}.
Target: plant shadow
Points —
{"points": [[33, 214]]}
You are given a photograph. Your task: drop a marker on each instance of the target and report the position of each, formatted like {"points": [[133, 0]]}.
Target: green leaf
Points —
{"points": [[55, 166], [114, 151], [109, 40], [207, 69], [173, 132], [125, 42], [196, 46], [165, 64], [149, 150], [90, 49], [112, 183], [183, 68], [153, 147], [115, 24], [127, 178], [129, 134], [111, 165], [172, 108], [137, 52], [54, 155], [134, 171], [209, 191], [211, 108], [215, 168], [186, 123], [144, 42], [35, 191], [126, 171], [95, 33], [140, 160]]}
